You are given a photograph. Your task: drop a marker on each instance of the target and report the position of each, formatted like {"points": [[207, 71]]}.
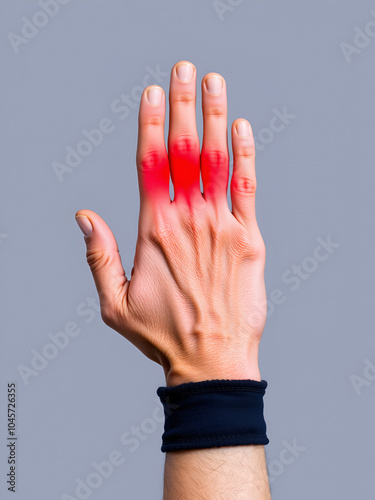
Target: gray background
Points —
{"points": [[316, 178]]}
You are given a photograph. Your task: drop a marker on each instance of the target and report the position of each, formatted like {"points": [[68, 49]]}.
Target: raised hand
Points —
{"points": [[196, 301]]}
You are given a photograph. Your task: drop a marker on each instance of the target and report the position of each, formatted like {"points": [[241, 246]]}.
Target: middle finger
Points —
{"points": [[183, 140]]}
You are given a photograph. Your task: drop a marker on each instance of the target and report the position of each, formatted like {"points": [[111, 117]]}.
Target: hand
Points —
{"points": [[196, 300]]}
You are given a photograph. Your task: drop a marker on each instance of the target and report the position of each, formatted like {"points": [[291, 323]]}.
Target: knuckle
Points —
{"points": [[161, 232], [218, 111], [157, 120], [215, 158], [244, 184], [184, 98], [259, 249], [183, 144], [151, 158], [251, 247], [247, 152], [97, 259]]}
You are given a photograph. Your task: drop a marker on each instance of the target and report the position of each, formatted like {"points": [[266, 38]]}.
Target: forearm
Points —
{"points": [[225, 472]]}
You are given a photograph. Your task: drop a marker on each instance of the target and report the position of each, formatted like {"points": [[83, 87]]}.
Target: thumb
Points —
{"points": [[105, 263]]}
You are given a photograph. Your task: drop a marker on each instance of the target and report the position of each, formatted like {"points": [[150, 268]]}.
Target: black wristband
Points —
{"points": [[213, 413]]}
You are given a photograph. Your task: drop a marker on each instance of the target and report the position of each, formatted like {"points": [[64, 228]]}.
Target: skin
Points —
{"points": [[196, 300]]}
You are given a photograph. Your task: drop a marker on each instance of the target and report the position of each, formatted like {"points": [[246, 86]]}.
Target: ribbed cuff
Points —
{"points": [[213, 413]]}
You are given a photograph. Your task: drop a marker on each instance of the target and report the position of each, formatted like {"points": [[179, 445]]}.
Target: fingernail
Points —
{"points": [[154, 95], [214, 84], [243, 129], [84, 224], [185, 72]]}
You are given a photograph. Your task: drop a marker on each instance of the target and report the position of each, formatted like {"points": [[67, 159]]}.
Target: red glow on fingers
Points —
{"points": [[154, 173], [185, 173], [215, 170]]}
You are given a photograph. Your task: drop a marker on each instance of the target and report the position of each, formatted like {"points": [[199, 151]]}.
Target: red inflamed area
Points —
{"points": [[185, 173]]}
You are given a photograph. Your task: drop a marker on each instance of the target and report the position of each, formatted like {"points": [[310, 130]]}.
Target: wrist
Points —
{"points": [[180, 373]]}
